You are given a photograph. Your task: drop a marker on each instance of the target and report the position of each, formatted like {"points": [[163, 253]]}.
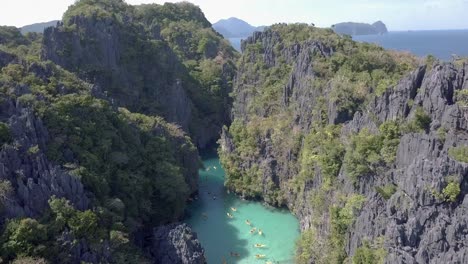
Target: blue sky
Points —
{"points": [[397, 14]]}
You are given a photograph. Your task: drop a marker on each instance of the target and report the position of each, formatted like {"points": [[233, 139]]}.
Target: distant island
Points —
{"points": [[38, 27], [354, 29], [235, 28]]}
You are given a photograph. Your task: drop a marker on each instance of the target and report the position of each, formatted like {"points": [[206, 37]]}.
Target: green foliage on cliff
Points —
{"points": [[247, 184], [82, 224], [5, 136], [366, 151], [305, 252], [459, 153], [115, 159], [31, 237], [5, 191], [341, 218], [420, 122], [207, 57], [153, 14], [97, 9], [386, 191], [12, 41], [451, 191], [322, 149], [159, 49], [370, 254], [462, 97], [24, 237], [29, 260], [363, 154], [11, 36]]}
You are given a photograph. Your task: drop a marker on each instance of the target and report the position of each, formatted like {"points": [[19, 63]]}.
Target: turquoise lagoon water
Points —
{"points": [[221, 235]]}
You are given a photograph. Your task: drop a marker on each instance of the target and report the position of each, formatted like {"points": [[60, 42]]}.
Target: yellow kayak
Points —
{"points": [[234, 209], [230, 215], [259, 256], [259, 245]]}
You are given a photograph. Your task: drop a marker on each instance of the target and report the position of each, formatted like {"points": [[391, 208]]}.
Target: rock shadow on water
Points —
{"points": [[208, 217]]}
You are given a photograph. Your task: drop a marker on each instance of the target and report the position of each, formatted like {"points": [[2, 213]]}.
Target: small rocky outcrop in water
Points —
{"points": [[176, 244], [380, 175]]}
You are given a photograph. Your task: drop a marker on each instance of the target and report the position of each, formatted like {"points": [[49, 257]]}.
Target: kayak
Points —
{"points": [[260, 256]]}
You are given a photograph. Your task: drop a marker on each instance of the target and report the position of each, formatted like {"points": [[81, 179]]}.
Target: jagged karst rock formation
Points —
{"points": [[176, 244], [296, 145], [147, 61], [35, 179], [96, 132]]}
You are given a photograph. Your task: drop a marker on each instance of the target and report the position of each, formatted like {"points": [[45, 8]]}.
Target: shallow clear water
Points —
{"points": [[221, 235], [440, 43]]}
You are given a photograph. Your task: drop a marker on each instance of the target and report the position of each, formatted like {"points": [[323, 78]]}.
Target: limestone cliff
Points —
{"points": [[81, 179], [151, 59], [303, 127]]}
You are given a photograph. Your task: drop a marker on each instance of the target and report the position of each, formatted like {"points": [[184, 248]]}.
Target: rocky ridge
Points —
{"points": [[30, 176], [176, 244], [141, 67], [415, 224]]}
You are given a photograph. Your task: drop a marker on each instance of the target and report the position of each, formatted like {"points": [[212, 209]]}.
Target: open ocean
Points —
{"points": [[440, 43]]}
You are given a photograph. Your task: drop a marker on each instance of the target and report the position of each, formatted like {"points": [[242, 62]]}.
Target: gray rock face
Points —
{"points": [[417, 226], [107, 54], [5, 58], [80, 250], [137, 70], [176, 244], [34, 178]]}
